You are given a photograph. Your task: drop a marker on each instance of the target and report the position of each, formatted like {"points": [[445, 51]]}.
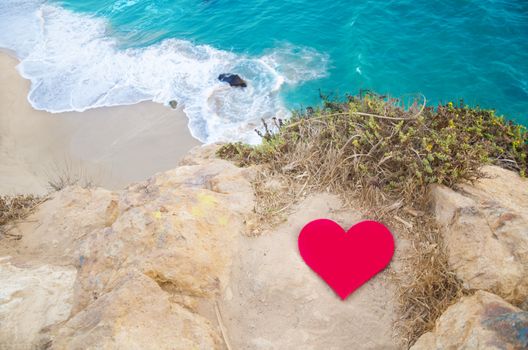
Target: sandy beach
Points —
{"points": [[107, 147]]}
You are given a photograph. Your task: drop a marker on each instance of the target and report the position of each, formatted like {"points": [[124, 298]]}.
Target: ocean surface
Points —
{"points": [[91, 53]]}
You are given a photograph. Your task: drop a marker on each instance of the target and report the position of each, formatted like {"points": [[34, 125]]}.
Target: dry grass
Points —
{"points": [[70, 173], [385, 153], [427, 286], [275, 195], [14, 209]]}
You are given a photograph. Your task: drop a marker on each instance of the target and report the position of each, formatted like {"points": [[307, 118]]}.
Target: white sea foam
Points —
{"points": [[74, 64], [19, 27]]}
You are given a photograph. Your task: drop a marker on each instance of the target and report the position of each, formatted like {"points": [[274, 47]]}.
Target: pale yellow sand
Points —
{"points": [[109, 146]]}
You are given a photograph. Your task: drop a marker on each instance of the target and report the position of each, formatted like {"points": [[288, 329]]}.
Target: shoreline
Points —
{"points": [[109, 147]]}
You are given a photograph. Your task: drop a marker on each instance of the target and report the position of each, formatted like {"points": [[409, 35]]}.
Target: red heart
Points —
{"points": [[346, 260]]}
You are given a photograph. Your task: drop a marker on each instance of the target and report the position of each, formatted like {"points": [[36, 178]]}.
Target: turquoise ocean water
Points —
{"points": [[84, 54]]}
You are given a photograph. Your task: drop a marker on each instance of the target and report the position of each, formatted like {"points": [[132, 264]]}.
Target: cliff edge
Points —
{"points": [[171, 263]]}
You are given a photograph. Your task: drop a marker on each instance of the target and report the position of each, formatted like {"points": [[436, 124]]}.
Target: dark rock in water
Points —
{"points": [[309, 110], [233, 80], [173, 104]]}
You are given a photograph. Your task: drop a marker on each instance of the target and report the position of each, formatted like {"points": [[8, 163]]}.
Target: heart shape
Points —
{"points": [[346, 260]]}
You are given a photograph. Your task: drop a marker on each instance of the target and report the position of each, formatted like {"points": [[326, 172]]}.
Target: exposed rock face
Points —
{"points": [[149, 261], [31, 299], [275, 301], [60, 226], [157, 265], [486, 232], [482, 321], [136, 314], [233, 79]]}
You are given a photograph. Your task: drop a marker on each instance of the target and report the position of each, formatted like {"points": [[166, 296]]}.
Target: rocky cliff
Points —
{"points": [[169, 264]]}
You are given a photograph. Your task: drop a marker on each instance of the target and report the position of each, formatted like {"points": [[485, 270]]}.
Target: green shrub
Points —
{"points": [[373, 142]]}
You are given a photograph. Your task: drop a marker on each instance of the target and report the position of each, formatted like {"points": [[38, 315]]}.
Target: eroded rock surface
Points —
{"points": [[31, 299], [136, 313], [147, 261], [486, 232], [481, 321]]}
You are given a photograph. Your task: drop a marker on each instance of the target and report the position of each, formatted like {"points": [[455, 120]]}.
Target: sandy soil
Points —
{"points": [[274, 301], [110, 147]]}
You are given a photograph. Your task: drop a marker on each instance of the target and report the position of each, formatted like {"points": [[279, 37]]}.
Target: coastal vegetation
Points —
{"points": [[70, 173], [14, 209], [374, 143], [386, 152]]}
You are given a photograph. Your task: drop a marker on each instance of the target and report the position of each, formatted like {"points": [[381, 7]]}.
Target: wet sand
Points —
{"points": [[108, 147]]}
